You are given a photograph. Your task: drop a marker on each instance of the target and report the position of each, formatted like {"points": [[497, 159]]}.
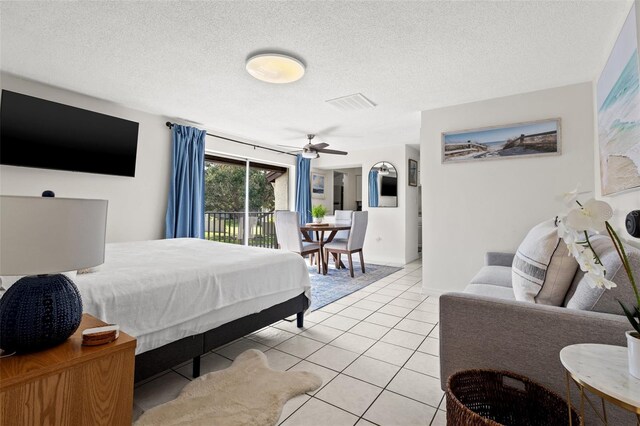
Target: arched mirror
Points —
{"points": [[383, 185]]}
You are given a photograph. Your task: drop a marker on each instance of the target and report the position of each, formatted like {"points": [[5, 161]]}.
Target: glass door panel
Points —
{"points": [[224, 201]]}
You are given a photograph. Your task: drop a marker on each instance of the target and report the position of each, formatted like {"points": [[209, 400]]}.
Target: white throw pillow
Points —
{"points": [[542, 270]]}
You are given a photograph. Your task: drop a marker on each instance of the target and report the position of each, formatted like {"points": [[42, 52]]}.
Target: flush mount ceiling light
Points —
{"points": [[275, 68]]}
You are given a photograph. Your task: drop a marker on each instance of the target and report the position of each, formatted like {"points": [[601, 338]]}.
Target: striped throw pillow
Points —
{"points": [[542, 270]]}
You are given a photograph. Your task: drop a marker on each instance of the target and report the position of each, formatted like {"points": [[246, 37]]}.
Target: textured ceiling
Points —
{"points": [[186, 60]]}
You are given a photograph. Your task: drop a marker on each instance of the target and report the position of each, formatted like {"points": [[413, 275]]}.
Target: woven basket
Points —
{"points": [[488, 397]]}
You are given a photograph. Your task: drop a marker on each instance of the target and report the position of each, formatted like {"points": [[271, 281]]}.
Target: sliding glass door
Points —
{"points": [[240, 199]]}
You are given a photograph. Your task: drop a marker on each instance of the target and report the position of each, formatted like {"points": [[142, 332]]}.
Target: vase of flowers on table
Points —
{"points": [[575, 229], [318, 213]]}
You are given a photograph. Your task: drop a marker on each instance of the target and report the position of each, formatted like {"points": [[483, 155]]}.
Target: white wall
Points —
{"points": [[387, 231], [137, 205], [472, 207]]}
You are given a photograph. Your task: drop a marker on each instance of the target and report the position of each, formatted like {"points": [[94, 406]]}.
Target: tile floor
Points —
{"points": [[376, 351]]}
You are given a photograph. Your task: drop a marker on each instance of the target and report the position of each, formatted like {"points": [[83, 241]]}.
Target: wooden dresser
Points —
{"points": [[70, 384]]}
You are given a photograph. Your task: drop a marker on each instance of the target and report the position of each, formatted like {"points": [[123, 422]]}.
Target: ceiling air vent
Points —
{"points": [[353, 102]]}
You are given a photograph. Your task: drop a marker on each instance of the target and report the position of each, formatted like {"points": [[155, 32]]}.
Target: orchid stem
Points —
{"points": [[586, 237], [623, 256]]}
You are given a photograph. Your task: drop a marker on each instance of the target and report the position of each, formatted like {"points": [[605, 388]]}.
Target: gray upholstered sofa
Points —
{"points": [[485, 327]]}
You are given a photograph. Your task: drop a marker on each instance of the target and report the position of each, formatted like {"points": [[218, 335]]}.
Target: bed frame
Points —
{"points": [[191, 348]]}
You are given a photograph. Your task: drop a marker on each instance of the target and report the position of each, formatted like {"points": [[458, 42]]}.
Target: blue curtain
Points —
{"points": [[303, 189], [373, 188], [185, 209]]}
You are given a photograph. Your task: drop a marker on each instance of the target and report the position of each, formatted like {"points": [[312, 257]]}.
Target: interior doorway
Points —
{"points": [[338, 191], [347, 189]]}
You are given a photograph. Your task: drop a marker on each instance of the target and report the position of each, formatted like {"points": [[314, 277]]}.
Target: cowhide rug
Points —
{"points": [[249, 392]]}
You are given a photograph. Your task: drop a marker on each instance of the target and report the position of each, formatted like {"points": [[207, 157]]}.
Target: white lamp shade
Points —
{"points": [[45, 235]]}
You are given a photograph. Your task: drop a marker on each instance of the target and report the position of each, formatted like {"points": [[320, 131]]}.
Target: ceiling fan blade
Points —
{"points": [[332, 151], [330, 132], [293, 129], [327, 130], [320, 145]]}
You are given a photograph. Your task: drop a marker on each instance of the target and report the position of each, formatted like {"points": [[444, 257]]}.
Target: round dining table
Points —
{"points": [[322, 229]]}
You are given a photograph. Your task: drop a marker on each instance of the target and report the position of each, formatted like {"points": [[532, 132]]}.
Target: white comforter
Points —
{"points": [[162, 290]]}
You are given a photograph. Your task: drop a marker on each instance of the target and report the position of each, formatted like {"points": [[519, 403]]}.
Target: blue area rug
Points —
{"points": [[338, 283]]}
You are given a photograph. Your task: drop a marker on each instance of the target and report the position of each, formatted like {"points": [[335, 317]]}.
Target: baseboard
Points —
{"points": [[385, 262]]}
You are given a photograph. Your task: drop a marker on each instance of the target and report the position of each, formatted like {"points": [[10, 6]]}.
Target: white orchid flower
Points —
{"points": [[590, 217], [569, 235], [599, 281], [575, 249], [569, 198], [589, 264]]}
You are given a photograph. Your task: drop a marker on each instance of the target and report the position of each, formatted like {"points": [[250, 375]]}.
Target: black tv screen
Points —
{"points": [[39, 133], [389, 186]]}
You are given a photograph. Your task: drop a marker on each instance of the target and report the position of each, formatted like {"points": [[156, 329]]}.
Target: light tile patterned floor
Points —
{"points": [[375, 350]]}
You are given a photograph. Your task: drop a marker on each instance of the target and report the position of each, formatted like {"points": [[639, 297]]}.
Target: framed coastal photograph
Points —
{"points": [[534, 138], [619, 113], [413, 172], [317, 185]]}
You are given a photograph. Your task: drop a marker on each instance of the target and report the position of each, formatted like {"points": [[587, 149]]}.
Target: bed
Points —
{"points": [[183, 297]]}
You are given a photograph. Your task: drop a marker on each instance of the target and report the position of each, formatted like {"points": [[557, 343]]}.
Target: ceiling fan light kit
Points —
{"points": [[275, 68], [310, 155]]}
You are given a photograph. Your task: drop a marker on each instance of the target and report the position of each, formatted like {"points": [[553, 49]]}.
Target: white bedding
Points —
{"points": [[163, 290]]}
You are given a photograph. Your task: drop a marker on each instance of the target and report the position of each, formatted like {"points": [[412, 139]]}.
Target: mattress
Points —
{"points": [[163, 290]]}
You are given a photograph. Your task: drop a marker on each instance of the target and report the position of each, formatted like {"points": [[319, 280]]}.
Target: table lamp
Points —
{"points": [[40, 237]]}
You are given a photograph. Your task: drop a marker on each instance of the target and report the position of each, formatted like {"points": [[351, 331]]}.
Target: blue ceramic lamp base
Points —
{"points": [[39, 312]]}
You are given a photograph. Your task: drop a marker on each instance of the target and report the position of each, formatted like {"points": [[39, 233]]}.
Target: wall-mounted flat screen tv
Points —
{"points": [[38, 133], [389, 186]]}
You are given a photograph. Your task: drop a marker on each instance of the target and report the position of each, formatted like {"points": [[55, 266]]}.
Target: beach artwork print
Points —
{"points": [[515, 140], [619, 113], [317, 185]]}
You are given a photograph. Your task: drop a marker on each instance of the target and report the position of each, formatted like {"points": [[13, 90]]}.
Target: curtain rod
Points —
{"points": [[170, 125]]}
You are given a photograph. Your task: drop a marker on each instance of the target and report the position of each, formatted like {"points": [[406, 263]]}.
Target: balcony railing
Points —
{"points": [[228, 227]]}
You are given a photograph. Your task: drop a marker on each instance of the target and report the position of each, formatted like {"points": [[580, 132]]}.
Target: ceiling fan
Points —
{"points": [[311, 150]]}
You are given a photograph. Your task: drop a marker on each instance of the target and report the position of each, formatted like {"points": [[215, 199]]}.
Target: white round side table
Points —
{"points": [[602, 370]]}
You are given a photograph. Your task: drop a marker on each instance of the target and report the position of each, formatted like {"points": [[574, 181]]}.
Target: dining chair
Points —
{"points": [[342, 216], [353, 244], [290, 238]]}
